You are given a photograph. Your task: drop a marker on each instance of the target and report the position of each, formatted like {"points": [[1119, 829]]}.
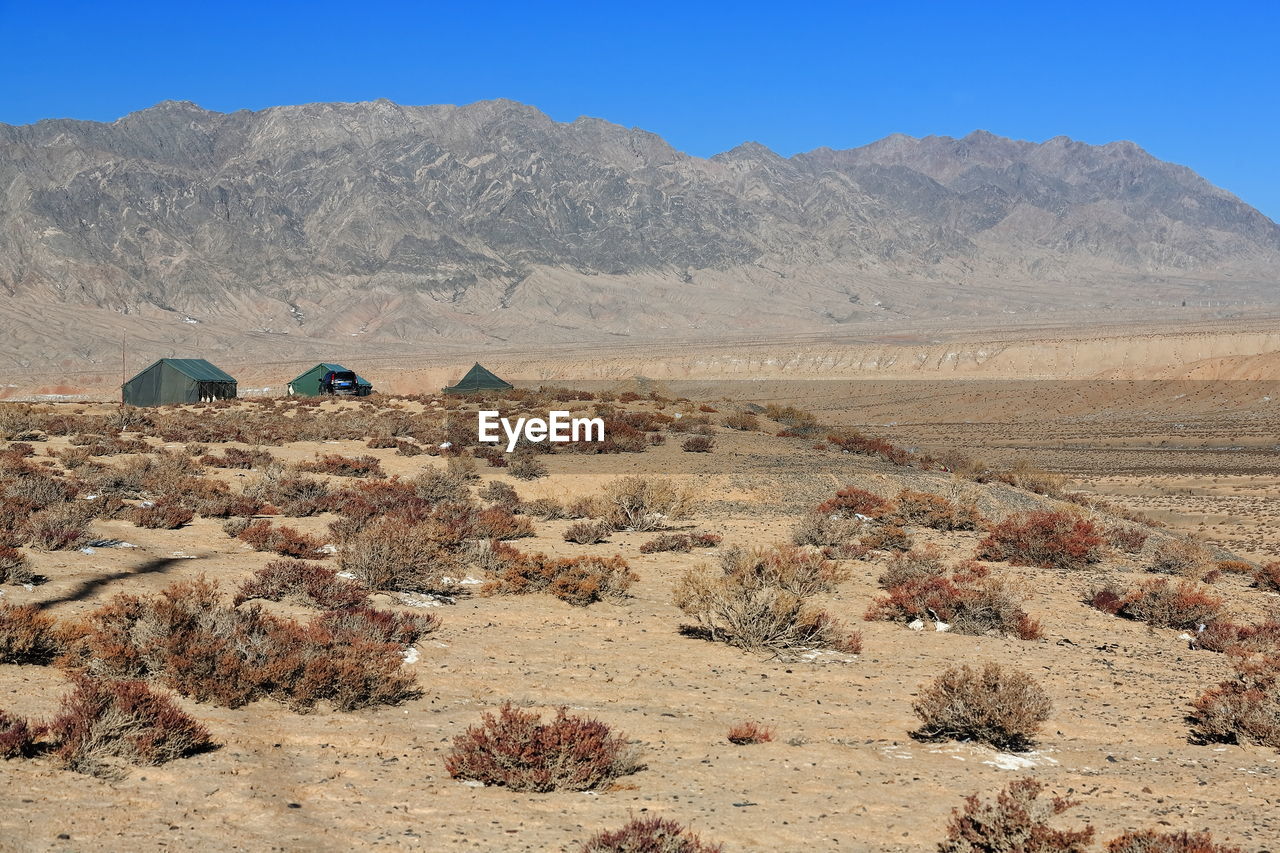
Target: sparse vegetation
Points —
{"points": [[995, 705], [1017, 821], [968, 598], [1046, 539], [516, 750], [1161, 603], [749, 732], [1243, 709], [649, 835]]}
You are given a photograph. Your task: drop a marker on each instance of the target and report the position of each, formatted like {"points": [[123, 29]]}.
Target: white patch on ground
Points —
{"points": [[182, 556], [328, 549], [1024, 761], [86, 550], [414, 599], [411, 655], [348, 575], [472, 783], [896, 751], [827, 656]]}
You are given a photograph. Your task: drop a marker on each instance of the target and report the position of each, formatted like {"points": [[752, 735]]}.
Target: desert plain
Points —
{"points": [[1179, 432]]}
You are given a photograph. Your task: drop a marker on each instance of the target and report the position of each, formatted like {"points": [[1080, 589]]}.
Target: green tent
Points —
{"points": [[478, 379], [178, 380], [311, 383]]}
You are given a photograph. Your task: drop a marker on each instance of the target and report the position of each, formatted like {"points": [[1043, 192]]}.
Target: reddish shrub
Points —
{"points": [[929, 510], [518, 751], [308, 584], [61, 528], [1018, 820], [579, 581], [344, 466], [852, 500], [167, 513], [1125, 538], [749, 732], [1043, 538], [234, 457], [1243, 709], [123, 720], [1268, 577], [969, 599], [1223, 636], [1161, 603], [1153, 841], [188, 640], [995, 705], [392, 554], [887, 537], [698, 444], [649, 835], [282, 540], [19, 738], [27, 635]]}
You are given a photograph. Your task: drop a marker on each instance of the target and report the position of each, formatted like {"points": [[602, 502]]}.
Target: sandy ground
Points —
{"points": [[843, 773]]}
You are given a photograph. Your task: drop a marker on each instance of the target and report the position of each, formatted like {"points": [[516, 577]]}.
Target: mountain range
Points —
{"points": [[492, 223]]}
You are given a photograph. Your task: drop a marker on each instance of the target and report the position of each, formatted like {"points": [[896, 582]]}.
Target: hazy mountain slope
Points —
{"points": [[491, 221]]}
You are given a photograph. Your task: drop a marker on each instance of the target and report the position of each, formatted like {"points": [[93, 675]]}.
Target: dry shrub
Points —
{"points": [[579, 581], [798, 571], [749, 732], [1023, 474], [19, 738], [103, 723], [682, 542], [60, 528], [1125, 538], [167, 513], [392, 554], [516, 750], [999, 706], [436, 486], [27, 635], [493, 523], [308, 584], [929, 510], [1187, 557], [742, 421], [736, 608], [831, 530], [234, 457], [968, 598], [14, 566], [854, 501], [588, 532], [526, 466], [918, 564], [1244, 708], [643, 503], [1224, 636], [1044, 538], [1016, 822], [1268, 577], [544, 509], [698, 444], [337, 465], [188, 640], [1160, 603], [887, 537], [14, 517], [292, 494], [1154, 841], [649, 835], [282, 540], [502, 494]]}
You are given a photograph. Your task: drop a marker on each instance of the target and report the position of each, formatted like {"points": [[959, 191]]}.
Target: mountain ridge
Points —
{"points": [[466, 222]]}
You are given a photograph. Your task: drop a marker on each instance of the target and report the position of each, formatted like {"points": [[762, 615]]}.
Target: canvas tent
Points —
{"points": [[478, 379], [328, 378], [178, 380]]}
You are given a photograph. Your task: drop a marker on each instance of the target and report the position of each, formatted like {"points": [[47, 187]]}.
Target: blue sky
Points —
{"points": [[1197, 84]]}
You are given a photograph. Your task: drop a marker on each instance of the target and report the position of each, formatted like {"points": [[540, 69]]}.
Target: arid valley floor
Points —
{"points": [[843, 772]]}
